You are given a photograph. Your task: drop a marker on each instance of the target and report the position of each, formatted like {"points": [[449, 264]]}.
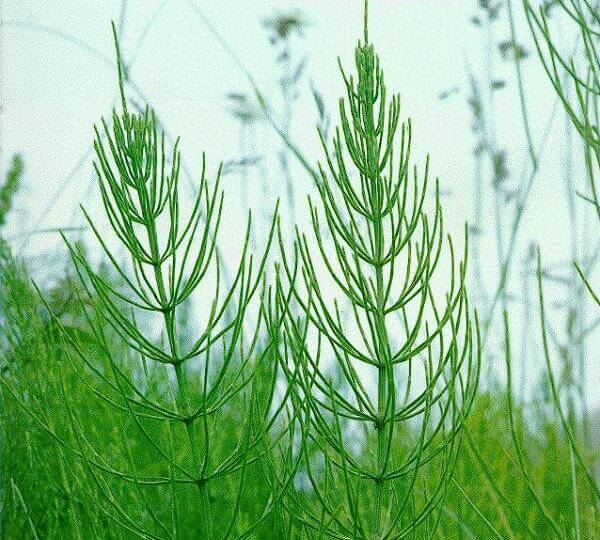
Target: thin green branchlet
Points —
{"points": [[379, 250], [582, 107]]}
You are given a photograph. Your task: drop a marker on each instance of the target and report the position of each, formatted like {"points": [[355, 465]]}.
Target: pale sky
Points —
{"points": [[53, 90]]}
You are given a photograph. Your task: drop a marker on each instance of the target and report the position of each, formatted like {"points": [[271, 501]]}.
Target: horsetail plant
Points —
{"points": [[584, 76], [379, 457], [180, 392], [583, 16]]}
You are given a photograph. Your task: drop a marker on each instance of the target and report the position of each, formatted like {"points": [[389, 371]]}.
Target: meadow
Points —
{"points": [[347, 377]]}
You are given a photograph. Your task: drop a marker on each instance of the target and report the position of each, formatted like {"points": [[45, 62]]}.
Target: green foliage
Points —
{"points": [[79, 459], [10, 187], [334, 394], [203, 409]]}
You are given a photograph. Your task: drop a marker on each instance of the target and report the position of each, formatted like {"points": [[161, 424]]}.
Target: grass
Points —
{"points": [[329, 389]]}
